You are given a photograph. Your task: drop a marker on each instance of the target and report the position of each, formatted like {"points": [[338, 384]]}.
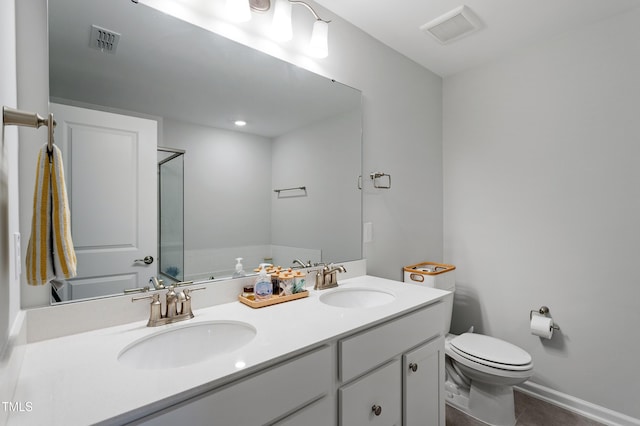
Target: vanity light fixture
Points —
{"points": [[318, 44], [281, 26]]}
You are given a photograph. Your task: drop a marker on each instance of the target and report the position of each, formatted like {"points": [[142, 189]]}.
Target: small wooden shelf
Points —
{"points": [[274, 300]]}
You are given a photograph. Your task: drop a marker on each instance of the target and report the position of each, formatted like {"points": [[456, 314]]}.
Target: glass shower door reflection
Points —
{"points": [[171, 214]]}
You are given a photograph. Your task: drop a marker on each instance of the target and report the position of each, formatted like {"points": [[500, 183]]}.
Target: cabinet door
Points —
{"points": [[373, 400], [423, 389]]}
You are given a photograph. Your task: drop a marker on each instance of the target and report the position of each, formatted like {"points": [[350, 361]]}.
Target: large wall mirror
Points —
{"points": [[282, 187]]}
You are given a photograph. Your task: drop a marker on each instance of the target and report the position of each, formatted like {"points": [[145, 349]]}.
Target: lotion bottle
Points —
{"points": [[239, 270], [263, 289]]}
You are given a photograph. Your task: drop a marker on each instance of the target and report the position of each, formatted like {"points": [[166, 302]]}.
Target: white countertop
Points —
{"points": [[78, 380]]}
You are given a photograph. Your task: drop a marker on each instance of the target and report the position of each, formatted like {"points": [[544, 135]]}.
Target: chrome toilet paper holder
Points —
{"points": [[544, 311]]}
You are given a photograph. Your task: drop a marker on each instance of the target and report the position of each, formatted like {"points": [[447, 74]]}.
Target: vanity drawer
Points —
{"points": [[379, 390], [364, 351], [257, 399]]}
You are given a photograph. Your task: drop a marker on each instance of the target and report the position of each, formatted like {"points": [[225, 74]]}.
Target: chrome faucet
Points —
{"points": [[177, 306], [156, 283], [172, 303], [327, 277], [302, 264]]}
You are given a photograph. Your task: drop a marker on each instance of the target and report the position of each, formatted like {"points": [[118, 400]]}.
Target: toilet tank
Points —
{"points": [[435, 275]]}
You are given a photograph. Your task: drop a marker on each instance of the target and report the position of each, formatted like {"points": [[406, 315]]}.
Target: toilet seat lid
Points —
{"points": [[490, 349]]}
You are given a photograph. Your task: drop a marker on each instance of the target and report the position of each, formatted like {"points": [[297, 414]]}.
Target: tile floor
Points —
{"points": [[529, 412]]}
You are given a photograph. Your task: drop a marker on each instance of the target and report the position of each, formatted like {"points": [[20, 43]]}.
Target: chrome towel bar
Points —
{"points": [[16, 117], [297, 188]]}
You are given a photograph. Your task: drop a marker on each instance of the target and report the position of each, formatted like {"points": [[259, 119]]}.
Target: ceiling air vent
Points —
{"points": [[453, 25], [103, 39]]}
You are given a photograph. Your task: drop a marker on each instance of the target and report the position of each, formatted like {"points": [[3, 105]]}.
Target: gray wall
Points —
{"points": [[32, 58], [11, 351], [9, 302], [402, 126], [324, 157], [227, 179], [542, 202]]}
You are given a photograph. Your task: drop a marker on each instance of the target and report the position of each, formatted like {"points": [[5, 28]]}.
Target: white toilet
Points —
{"points": [[481, 370]]}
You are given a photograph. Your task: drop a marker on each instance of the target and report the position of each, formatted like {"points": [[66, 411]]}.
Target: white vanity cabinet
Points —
{"points": [[258, 399], [311, 362], [386, 390], [390, 374]]}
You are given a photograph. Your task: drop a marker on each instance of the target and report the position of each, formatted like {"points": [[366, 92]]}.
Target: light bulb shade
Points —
{"points": [[319, 43], [238, 10], [281, 29]]}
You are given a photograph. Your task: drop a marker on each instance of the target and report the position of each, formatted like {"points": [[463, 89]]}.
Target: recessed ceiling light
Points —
{"points": [[240, 123]]}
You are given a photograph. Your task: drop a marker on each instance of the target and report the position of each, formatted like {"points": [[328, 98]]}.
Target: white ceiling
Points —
{"points": [[509, 25]]}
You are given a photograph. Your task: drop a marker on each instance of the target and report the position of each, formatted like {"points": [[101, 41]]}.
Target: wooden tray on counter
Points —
{"points": [[274, 300]]}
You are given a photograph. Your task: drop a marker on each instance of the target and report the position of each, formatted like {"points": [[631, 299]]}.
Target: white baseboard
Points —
{"points": [[578, 406]]}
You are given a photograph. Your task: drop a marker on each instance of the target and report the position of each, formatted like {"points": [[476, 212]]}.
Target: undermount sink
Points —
{"points": [[188, 344], [357, 297]]}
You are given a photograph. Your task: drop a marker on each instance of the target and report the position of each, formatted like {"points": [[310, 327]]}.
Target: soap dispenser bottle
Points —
{"points": [[263, 289], [239, 270]]}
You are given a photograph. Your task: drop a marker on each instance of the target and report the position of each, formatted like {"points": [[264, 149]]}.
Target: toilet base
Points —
{"points": [[493, 404], [490, 404]]}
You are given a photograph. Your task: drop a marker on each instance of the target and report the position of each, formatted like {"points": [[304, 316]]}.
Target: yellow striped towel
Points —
{"points": [[50, 253]]}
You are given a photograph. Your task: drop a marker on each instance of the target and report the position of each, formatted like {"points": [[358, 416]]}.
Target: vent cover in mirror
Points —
{"points": [[103, 39]]}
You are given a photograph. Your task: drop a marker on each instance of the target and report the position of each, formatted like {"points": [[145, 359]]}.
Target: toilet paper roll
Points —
{"points": [[542, 326]]}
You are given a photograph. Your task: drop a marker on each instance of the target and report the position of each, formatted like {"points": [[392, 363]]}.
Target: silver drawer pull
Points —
{"points": [[377, 410]]}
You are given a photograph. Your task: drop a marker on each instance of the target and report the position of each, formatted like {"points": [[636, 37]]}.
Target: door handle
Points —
{"points": [[148, 260]]}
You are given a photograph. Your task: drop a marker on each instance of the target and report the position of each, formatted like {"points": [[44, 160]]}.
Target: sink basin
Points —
{"points": [[186, 345], [357, 298]]}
